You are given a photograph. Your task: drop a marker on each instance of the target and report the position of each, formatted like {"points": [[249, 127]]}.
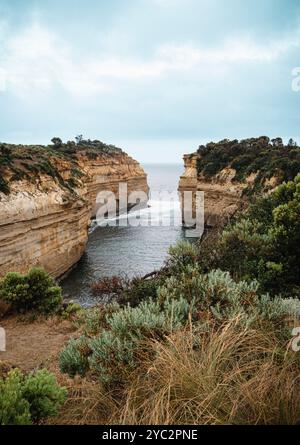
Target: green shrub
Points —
{"points": [[14, 408], [128, 329], [74, 357], [111, 353], [71, 309], [144, 320], [140, 289], [28, 399], [265, 244], [125, 290], [33, 291], [93, 320], [180, 256], [43, 394], [4, 187]]}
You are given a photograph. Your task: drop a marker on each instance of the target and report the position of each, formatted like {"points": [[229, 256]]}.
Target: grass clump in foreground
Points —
{"points": [[212, 373], [219, 375]]}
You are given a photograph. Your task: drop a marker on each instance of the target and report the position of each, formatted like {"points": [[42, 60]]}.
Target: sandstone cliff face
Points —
{"points": [[222, 196], [44, 224]]}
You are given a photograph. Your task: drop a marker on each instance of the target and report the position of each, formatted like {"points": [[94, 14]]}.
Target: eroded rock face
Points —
{"points": [[222, 196], [44, 224]]}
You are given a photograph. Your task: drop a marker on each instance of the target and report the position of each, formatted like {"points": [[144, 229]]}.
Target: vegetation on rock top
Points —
{"points": [[19, 162], [267, 158]]}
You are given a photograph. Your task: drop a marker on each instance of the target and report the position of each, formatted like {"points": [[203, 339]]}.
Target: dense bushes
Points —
{"points": [[217, 295], [265, 244], [256, 155], [28, 399], [206, 348], [113, 352], [33, 291], [125, 290]]}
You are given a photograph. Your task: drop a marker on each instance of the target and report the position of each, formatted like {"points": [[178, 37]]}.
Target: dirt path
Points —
{"points": [[31, 345]]}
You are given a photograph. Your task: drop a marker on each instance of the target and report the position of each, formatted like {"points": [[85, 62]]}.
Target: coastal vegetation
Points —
{"points": [[19, 162], [34, 291], [264, 243], [204, 340], [261, 156], [29, 399]]}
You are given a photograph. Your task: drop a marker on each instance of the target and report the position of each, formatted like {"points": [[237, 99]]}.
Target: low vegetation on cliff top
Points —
{"points": [[34, 291], [19, 162], [261, 156]]}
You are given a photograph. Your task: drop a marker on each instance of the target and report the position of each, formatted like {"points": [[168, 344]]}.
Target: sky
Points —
{"points": [[155, 77]]}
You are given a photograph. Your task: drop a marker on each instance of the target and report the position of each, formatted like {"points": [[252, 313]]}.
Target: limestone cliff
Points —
{"points": [[44, 221], [232, 172], [222, 196]]}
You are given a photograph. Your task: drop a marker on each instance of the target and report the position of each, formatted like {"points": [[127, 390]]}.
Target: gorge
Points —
{"points": [[48, 197]]}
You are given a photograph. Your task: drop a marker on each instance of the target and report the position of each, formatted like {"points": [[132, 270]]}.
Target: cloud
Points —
{"points": [[36, 60]]}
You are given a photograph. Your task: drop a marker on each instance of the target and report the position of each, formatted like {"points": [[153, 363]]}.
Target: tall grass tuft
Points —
{"points": [[228, 375]]}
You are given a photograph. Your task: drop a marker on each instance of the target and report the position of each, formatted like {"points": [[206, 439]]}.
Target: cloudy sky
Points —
{"points": [[156, 77]]}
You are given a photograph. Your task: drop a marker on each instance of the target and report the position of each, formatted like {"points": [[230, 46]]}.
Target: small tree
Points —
{"points": [[79, 139], [277, 142], [292, 143], [57, 142]]}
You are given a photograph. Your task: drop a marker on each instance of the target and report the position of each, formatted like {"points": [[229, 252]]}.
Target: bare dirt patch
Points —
{"points": [[35, 344]]}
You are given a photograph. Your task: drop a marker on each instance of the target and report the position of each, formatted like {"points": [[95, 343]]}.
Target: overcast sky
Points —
{"points": [[156, 77]]}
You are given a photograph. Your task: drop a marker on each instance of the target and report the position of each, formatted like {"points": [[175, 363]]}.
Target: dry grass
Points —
{"points": [[226, 375], [229, 376], [88, 403], [220, 375]]}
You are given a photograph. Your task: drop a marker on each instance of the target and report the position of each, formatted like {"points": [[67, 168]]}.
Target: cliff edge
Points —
{"points": [[48, 196]]}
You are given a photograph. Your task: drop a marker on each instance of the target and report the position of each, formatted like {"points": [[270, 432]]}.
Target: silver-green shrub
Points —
{"points": [[74, 357], [114, 351], [224, 297], [112, 357]]}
